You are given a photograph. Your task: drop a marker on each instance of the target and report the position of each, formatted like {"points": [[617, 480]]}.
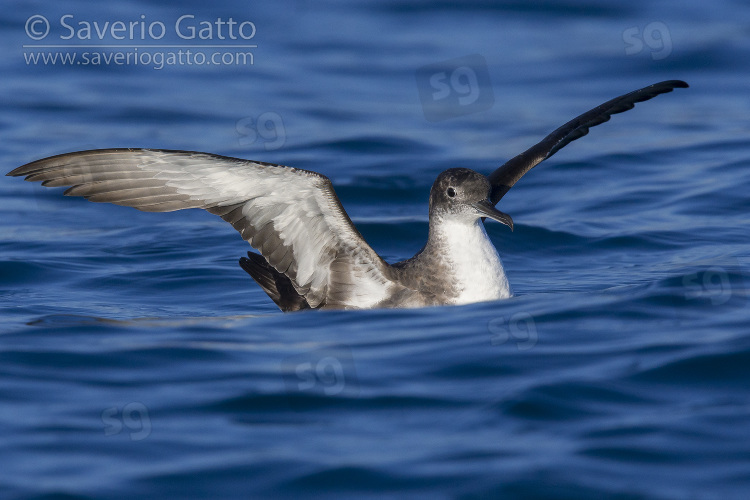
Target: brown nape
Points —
{"points": [[275, 284]]}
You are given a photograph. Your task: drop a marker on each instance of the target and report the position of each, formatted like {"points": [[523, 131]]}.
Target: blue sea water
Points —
{"points": [[138, 360]]}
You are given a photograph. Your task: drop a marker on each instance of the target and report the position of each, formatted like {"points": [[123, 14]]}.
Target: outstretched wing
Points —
{"points": [[504, 177], [291, 216]]}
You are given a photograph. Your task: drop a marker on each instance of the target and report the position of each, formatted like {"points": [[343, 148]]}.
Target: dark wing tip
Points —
{"points": [[40, 164], [677, 84], [503, 178], [277, 285], [26, 170]]}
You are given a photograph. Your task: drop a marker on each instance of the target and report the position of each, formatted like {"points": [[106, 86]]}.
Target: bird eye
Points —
{"points": [[451, 192]]}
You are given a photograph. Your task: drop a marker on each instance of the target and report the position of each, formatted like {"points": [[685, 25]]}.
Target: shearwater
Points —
{"points": [[310, 254]]}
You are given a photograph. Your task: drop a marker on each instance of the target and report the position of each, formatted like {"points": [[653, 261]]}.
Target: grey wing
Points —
{"points": [[507, 175], [291, 216]]}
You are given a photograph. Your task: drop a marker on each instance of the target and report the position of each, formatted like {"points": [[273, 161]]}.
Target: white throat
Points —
{"points": [[476, 266]]}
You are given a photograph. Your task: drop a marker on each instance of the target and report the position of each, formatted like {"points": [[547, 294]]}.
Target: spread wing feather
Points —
{"points": [[507, 175], [291, 216]]}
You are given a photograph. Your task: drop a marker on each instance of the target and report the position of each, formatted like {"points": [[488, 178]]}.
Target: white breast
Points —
{"points": [[477, 269]]}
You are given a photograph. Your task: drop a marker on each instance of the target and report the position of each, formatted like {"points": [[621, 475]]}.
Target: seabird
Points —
{"points": [[310, 254]]}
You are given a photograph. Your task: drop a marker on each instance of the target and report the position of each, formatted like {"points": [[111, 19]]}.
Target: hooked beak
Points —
{"points": [[488, 210]]}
